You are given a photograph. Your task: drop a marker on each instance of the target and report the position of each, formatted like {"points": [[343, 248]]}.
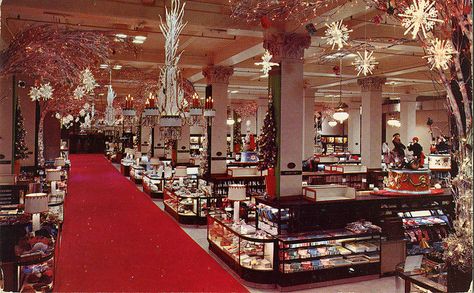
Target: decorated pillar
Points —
{"points": [[183, 154], [287, 87], [218, 78], [309, 132], [262, 107], [353, 128], [371, 132], [407, 117]]}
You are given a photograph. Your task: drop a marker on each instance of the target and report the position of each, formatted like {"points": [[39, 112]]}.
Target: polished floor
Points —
{"points": [[382, 285]]}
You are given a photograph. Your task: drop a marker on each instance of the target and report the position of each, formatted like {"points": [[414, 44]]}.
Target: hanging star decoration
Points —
{"points": [[420, 15], [440, 53], [365, 63], [79, 92], [337, 34], [45, 91], [266, 63], [35, 94]]}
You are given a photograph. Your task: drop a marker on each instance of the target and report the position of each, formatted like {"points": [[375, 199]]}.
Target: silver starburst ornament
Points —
{"points": [[420, 15], [34, 94], [440, 53], [337, 34], [79, 92], [266, 63], [365, 63]]}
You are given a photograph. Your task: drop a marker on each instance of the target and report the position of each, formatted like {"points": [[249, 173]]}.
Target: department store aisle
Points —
{"points": [[199, 235], [116, 239]]}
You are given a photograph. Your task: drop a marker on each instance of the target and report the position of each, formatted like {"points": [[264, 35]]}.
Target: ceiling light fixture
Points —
{"points": [[104, 66], [121, 36], [140, 38], [340, 113], [117, 67], [234, 91], [332, 123], [393, 122]]}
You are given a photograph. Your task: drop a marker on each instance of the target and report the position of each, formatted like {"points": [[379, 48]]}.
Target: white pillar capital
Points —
{"points": [[408, 97], [372, 83], [287, 45], [217, 74]]}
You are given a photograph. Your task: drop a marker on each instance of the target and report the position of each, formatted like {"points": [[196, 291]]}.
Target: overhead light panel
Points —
{"points": [[117, 67], [234, 91], [121, 36], [104, 66]]}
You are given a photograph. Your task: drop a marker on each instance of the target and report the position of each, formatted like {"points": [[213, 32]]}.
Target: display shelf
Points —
{"points": [[249, 252], [153, 185], [220, 184], [189, 206], [334, 143], [357, 180], [323, 257]]}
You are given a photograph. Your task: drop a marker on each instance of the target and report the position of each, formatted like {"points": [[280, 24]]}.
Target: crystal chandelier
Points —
{"points": [[393, 122]]}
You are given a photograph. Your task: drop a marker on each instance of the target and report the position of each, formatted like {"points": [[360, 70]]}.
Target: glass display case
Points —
{"points": [[189, 205], [248, 251], [136, 173], [153, 185], [327, 255]]}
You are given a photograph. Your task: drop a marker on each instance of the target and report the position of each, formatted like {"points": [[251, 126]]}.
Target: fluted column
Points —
{"points": [[371, 136], [287, 85], [218, 78]]}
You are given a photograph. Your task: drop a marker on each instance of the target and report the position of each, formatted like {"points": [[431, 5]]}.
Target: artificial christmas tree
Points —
{"points": [[267, 143], [21, 150], [237, 143]]}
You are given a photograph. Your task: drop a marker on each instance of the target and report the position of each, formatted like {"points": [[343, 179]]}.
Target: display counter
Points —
{"points": [[189, 206], [136, 174], [125, 166], [153, 185], [250, 253]]}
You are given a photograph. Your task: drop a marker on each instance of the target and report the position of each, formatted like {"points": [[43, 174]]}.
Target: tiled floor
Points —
{"points": [[382, 285]]}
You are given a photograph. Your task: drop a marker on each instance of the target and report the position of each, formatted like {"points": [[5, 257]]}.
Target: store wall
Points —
{"points": [[440, 126], [6, 125], [28, 109]]}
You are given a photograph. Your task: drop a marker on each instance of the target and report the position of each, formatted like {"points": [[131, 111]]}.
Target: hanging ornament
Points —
{"points": [[58, 116], [440, 53], [79, 92], [34, 94], [337, 34], [266, 63], [265, 22], [88, 81], [82, 113], [46, 91], [365, 63], [420, 15]]}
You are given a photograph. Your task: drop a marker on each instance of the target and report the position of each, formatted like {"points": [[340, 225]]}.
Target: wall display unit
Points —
{"points": [[334, 143], [249, 252], [189, 205]]}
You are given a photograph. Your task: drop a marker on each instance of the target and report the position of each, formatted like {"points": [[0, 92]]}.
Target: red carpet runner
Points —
{"points": [[115, 239]]}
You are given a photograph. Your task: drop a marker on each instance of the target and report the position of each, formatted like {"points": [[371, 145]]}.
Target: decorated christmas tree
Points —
{"points": [[237, 143], [21, 150], [267, 141]]}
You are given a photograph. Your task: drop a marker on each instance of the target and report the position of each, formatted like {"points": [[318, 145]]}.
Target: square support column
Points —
{"points": [[218, 78], [183, 154], [287, 86], [407, 118], [262, 108], [353, 128], [309, 132], [371, 138]]}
